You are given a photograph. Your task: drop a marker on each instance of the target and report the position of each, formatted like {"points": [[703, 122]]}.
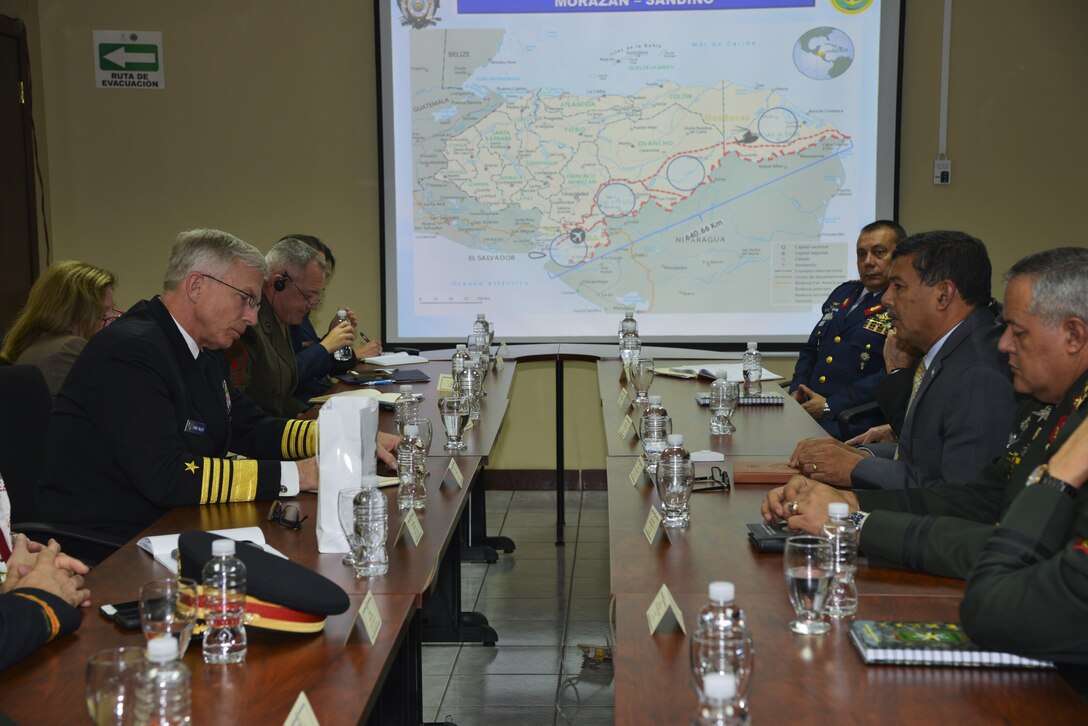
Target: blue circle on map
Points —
{"points": [[777, 125], [569, 249], [616, 200], [685, 173]]}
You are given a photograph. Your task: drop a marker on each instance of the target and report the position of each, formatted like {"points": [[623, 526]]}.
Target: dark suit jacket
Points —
{"points": [[262, 363], [30, 618], [960, 416], [843, 359], [943, 530], [140, 426]]}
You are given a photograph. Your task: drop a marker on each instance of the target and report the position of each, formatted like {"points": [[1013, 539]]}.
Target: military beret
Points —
{"points": [[280, 594]]}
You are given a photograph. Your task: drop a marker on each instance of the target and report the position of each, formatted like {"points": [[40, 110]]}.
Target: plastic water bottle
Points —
{"points": [[405, 408], [628, 324], [458, 362], [411, 492], [674, 481], [653, 430], [224, 602], [482, 327], [753, 371], [371, 530], [842, 601], [719, 705], [346, 352], [163, 690], [721, 641]]}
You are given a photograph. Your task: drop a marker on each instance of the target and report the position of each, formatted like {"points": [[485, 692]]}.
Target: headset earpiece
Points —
{"points": [[280, 283]]}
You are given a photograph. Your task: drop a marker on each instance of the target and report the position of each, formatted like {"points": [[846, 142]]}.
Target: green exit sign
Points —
{"points": [[128, 57]]}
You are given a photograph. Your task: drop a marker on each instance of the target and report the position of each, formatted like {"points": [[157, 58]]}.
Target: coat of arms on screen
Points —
{"points": [[418, 13]]}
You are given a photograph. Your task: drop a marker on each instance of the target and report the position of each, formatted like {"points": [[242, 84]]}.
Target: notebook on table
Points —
{"points": [[932, 644]]}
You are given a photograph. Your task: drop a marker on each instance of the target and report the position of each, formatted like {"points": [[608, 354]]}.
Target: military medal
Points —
{"points": [[864, 359]]}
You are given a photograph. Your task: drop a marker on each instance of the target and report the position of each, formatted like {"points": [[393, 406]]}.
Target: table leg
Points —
{"points": [[443, 619], [479, 547]]}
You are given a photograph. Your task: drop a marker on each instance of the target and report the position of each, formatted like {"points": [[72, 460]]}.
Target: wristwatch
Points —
{"points": [[1041, 475], [857, 518], [826, 414]]}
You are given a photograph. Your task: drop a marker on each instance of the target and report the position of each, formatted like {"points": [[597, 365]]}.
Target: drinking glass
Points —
{"points": [[808, 568], [471, 385], [717, 652], [674, 481], [630, 351], [454, 412], [345, 510], [723, 402], [111, 685], [425, 432], [168, 608], [642, 375], [654, 430]]}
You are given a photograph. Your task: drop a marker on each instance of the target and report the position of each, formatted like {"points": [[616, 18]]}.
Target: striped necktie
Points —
{"points": [[919, 374]]}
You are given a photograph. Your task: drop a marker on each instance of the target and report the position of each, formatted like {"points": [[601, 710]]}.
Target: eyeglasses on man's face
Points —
{"points": [[112, 315], [247, 298]]}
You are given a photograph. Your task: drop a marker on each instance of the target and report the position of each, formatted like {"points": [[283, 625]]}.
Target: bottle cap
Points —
{"points": [[838, 510], [751, 345], [721, 592], [222, 547], [480, 316], [162, 649], [461, 346], [720, 686], [370, 481], [655, 400], [406, 389], [341, 313], [411, 430], [675, 439]]}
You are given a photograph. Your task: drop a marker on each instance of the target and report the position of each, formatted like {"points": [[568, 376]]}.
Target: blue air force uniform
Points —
{"points": [[843, 359]]}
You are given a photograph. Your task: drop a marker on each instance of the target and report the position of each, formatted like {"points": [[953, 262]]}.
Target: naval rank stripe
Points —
{"points": [[298, 440]]}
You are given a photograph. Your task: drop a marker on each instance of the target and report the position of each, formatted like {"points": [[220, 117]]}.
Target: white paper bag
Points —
{"points": [[347, 430]]}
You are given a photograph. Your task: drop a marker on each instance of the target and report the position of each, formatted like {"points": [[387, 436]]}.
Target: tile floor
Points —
{"points": [[543, 600]]}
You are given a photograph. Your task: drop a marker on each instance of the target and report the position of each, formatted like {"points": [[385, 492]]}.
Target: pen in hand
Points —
{"points": [[363, 336]]}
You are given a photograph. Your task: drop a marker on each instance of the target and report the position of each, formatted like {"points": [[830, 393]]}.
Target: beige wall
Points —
{"points": [[268, 125]]}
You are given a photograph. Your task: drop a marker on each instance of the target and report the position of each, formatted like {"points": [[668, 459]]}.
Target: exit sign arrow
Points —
{"points": [[128, 57]]}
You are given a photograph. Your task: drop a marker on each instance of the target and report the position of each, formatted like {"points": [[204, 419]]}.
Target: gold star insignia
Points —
{"points": [[191, 467]]}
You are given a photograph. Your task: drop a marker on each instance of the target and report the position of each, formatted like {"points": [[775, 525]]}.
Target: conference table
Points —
{"points": [[346, 678], [796, 679]]}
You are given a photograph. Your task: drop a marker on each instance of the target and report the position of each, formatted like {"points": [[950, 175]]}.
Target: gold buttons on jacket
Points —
{"points": [[823, 379], [838, 338], [868, 346], [828, 359]]}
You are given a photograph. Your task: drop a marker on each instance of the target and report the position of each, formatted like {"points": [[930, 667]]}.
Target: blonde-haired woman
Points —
{"points": [[68, 303]]}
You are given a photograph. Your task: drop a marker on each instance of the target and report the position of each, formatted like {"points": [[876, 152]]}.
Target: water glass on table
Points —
{"points": [[674, 481], [111, 685], [808, 568], [168, 608], [642, 377], [454, 412], [345, 511], [724, 396]]}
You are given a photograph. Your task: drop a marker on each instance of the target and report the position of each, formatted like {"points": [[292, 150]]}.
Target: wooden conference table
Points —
{"points": [[346, 678], [796, 679]]}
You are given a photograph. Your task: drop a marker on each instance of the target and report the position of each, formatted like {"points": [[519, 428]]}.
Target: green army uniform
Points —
{"points": [[942, 530], [1028, 592], [262, 364]]}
